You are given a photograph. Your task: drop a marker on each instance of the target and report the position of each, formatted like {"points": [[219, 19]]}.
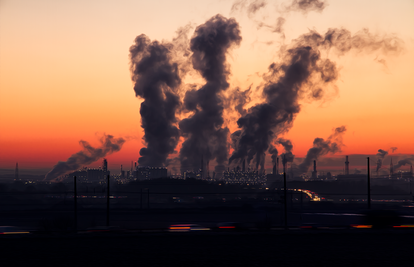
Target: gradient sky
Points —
{"points": [[64, 73]]}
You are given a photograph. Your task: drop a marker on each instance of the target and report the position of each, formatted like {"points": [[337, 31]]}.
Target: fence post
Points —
{"points": [[285, 190], [369, 184]]}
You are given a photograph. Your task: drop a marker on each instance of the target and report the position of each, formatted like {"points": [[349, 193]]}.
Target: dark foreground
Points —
{"points": [[275, 248]]}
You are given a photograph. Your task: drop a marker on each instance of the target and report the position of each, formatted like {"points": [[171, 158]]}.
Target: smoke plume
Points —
{"points": [[302, 73], [287, 156], [321, 147], [393, 149], [251, 6], [381, 154], [203, 131], [306, 6], [88, 155], [156, 79], [403, 162]]}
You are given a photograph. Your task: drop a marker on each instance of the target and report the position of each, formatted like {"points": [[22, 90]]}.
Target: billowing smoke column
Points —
{"points": [[381, 154], [287, 156], [157, 79], [88, 155], [321, 147], [403, 162], [301, 73], [203, 131]]}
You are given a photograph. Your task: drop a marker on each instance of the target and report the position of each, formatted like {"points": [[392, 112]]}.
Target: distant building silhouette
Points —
{"points": [[391, 169]]}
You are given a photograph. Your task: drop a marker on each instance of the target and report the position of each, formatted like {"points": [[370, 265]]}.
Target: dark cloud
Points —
{"points": [[88, 155], [322, 147], [156, 79], [203, 131]]}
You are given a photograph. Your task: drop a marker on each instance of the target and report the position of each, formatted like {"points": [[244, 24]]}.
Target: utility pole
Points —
{"points": [[369, 184], [75, 199], [107, 203]]}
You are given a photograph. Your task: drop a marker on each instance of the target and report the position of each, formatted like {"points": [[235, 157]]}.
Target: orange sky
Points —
{"points": [[64, 74]]}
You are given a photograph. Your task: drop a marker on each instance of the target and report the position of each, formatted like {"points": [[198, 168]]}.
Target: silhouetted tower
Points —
{"points": [[105, 165], [274, 169], [391, 168], [16, 171], [346, 166], [314, 173], [244, 165], [411, 170]]}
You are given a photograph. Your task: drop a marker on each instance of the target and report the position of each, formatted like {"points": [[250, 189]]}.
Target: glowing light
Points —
{"points": [[361, 226]]}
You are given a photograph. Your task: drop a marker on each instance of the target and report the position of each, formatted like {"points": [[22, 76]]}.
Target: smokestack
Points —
{"points": [[105, 165], [274, 169], [411, 170], [346, 166], [391, 168], [244, 165], [314, 173]]}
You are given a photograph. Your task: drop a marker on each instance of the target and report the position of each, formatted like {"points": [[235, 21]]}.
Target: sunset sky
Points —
{"points": [[65, 73]]}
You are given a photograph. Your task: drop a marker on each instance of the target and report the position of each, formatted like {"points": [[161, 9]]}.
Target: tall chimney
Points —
{"points": [[346, 166], [105, 165], [391, 168], [244, 165], [314, 165]]}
